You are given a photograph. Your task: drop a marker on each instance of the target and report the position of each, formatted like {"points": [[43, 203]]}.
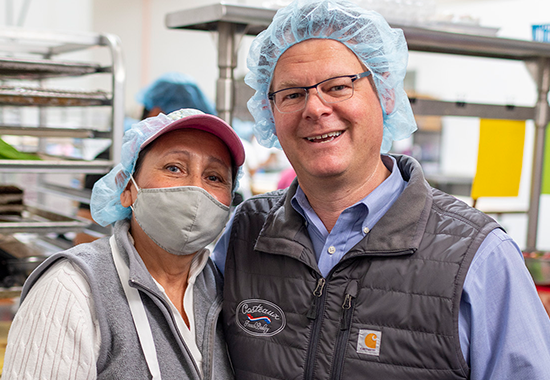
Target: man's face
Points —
{"points": [[328, 141]]}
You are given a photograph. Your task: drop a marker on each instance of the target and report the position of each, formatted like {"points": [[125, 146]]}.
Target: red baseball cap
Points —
{"points": [[195, 119]]}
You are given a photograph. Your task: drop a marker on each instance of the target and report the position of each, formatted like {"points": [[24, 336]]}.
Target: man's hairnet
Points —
{"points": [[173, 91], [105, 203], [379, 47]]}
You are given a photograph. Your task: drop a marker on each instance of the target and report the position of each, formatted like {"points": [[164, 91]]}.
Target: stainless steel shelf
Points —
{"points": [[79, 195], [47, 43], [35, 69], [83, 133], [35, 220], [35, 96], [55, 166], [253, 20], [487, 111]]}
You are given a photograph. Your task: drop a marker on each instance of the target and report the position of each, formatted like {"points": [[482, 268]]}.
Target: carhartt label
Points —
{"points": [[368, 342], [260, 317]]}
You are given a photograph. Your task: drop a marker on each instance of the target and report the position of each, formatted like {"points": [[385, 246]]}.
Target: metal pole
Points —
{"points": [[118, 82], [227, 61], [541, 121]]}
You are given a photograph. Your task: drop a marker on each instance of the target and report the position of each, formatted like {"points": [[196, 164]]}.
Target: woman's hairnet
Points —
{"points": [[105, 203], [173, 91], [379, 47]]}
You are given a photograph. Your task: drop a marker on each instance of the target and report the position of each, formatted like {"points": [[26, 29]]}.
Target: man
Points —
{"points": [[360, 269]]}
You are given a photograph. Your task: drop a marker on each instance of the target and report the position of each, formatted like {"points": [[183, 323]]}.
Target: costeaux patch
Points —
{"points": [[368, 342], [260, 317]]}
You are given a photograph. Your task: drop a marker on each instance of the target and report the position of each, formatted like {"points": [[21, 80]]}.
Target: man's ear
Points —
{"points": [[126, 195]]}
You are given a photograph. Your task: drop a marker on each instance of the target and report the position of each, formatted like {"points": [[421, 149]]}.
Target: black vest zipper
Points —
{"points": [[312, 312], [317, 305], [343, 336]]}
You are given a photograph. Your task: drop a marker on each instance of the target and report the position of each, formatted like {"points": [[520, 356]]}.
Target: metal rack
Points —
{"points": [[233, 21], [29, 60]]}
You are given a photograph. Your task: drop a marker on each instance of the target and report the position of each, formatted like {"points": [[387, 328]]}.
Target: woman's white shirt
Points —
{"points": [[55, 333]]}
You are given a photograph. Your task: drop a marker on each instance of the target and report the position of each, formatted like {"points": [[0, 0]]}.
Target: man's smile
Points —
{"points": [[324, 137]]}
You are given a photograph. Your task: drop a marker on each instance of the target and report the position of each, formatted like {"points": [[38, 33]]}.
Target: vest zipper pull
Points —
{"points": [[347, 305], [317, 293]]}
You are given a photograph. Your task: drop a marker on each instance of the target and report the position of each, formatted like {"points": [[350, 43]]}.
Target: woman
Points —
{"points": [[146, 301]]}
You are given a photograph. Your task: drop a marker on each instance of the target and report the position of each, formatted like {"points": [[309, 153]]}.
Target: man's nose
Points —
{"points": [[315, 102]]}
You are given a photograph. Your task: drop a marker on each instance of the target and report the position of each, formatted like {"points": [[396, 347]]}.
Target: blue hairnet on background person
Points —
{"points": [[172, 91], [380, 48]]}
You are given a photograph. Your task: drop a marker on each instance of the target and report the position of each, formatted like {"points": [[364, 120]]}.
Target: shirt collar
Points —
{"points": [[375, 204]]}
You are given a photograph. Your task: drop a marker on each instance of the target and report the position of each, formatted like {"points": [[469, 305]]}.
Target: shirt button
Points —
{"points": [[331, 250], [366, 230]]}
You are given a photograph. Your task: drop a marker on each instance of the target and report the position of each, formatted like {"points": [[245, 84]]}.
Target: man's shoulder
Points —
{"points": [[457, 209], [262, 203]]}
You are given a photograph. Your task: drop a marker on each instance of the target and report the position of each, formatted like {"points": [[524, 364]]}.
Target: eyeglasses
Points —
{"points": [[332, 90]]}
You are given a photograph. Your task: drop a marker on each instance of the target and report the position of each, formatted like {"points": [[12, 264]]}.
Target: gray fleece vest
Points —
{"points": [[388, 310], [121, 356]]}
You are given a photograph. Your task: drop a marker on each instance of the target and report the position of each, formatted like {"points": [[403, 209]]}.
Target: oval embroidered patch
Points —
{"points": [[260, 317]]}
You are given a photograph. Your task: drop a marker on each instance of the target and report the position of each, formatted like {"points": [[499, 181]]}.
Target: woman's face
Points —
{"points": [[185, 157]]}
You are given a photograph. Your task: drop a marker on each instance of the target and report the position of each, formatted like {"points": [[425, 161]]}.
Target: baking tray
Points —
{"points": [[51, 164], [34, 69], [35, 220], [36, 96]]}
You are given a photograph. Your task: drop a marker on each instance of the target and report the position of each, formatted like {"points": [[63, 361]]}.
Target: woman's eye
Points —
{"points": [[214, 178], [173, 169]]}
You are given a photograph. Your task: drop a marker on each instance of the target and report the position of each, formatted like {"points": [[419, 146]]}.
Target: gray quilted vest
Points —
{"points": [[388, 310], [121, 356]]}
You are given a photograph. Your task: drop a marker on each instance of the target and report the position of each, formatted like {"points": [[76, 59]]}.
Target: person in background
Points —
{"points": [[286, 178], [168, 93], [145, 302], [360, 269]]}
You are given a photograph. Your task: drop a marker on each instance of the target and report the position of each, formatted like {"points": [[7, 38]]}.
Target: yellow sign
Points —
{"points": [[500, 158]]}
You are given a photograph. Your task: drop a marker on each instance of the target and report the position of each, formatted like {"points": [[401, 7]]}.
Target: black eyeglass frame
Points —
{"points": [[354, 77]]}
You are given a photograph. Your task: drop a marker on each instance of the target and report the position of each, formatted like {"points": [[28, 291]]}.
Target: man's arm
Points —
{"points": [[219, 253], [504, 329]]}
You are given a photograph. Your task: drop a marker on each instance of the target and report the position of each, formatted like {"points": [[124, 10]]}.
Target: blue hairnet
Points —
{"points": [[379, 47], [173, 91], [105, 203]]}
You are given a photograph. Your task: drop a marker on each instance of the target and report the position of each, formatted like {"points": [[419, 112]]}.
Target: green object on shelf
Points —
{"points": [[8, 152]]}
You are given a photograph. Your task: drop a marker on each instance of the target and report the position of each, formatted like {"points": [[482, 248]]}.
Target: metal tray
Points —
{"points": [[33, 69], [35, 96], [56, 165], [35, 220]]}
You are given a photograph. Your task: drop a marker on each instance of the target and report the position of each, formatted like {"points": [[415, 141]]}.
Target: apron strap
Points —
{"points": [[138, 312]]}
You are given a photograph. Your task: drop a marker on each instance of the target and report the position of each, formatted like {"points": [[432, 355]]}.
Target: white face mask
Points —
{"points": [[181, 220]]}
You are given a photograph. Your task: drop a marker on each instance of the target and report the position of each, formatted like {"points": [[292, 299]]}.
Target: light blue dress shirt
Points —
{"points": [[503, 328]]}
